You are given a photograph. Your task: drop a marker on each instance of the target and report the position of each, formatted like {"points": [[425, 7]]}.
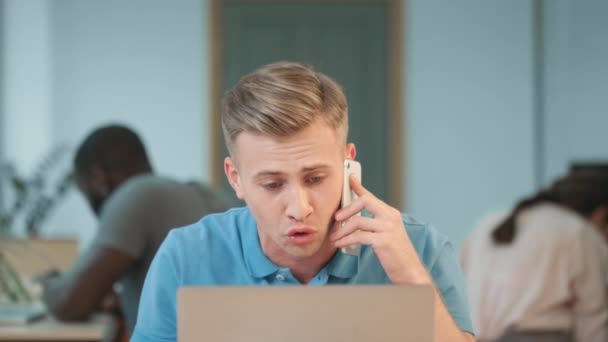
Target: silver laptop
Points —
{"points": [[305, 313]]}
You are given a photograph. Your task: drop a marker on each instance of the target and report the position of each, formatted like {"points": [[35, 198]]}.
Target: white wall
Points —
{"points": [[2, 190], [27, 70], [26, 97], [140, 62], [470, 102], [576, 85], [73, 64], [469, 137]]}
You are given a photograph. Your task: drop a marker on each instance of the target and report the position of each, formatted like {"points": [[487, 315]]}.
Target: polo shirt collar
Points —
{"points": [[258, 264], [343, 265]]}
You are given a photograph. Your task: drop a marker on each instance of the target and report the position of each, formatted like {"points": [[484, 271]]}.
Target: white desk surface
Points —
{"points": [[49, 329]]}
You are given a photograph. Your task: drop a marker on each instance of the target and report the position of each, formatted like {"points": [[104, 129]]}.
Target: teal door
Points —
{"points": [[347, 42]]}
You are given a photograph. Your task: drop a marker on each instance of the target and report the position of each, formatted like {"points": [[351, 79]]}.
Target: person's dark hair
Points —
{"points": [[580, 192], [115, 148], [579, 167]]}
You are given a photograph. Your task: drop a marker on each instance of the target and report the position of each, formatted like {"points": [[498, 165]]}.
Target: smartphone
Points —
{"points": [[351, 167]]}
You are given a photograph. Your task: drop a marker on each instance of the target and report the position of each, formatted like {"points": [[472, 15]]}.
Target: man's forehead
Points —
{"points": [[305, 152], [317, 143]]}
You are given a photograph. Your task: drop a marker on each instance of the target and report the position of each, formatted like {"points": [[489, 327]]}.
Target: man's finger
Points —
{"points": [[358, 237], [349, 211], [366, 201], [353, 224], [356, 186]]}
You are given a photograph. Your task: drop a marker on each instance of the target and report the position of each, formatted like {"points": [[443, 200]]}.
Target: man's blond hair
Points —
{"points": [[280, 99]]}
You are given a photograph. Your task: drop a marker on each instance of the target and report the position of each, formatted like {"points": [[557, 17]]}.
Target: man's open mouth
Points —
{"points": [[301, 235]]}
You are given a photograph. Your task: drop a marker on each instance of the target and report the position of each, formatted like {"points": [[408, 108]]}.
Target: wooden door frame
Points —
{"points": [[395, 100]]}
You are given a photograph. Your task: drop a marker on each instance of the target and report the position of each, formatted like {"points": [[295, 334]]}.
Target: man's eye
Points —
{"points": [[314, 179], [272, 186]]}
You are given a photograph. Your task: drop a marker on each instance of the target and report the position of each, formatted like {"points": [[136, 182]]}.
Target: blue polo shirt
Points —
{"points": [[224, 249]]}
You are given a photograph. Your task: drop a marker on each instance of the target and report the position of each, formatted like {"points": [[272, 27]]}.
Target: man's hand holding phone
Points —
{"points": [[384, 232], [351, 167]]}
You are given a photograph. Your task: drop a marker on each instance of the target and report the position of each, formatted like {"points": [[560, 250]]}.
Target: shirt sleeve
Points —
{"points": [[156, 318], [123, 223], [449, 280], [590, 307]]}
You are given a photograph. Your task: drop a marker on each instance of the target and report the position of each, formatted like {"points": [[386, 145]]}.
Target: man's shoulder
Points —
{"points": [[149, 182], [225, 225], [426, 239], [141, 187], [418, 229], [135, 194], [409, 220], [200, 245]]}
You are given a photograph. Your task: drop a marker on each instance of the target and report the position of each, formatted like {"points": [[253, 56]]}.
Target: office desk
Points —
{"points": [[101, 327]]}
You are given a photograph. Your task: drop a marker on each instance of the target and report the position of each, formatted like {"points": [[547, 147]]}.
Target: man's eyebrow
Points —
{"points": [[265, 173], [316, 167]]}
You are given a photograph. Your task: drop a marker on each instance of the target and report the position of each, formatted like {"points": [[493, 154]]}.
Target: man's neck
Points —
{"points": [[304, 272], [303, 269]]}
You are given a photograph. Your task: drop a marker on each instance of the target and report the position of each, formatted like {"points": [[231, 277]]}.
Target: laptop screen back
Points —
{"points": [[305, 313]]}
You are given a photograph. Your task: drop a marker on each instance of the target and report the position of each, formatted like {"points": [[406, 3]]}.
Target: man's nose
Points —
{"points": [[299, 205]]}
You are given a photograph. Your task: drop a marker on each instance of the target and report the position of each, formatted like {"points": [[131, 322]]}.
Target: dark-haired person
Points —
{"points": [[539, 274], [599, 168], [135, 210]]}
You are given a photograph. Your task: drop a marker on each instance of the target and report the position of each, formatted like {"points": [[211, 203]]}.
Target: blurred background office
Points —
{"points": [[459, 107]]}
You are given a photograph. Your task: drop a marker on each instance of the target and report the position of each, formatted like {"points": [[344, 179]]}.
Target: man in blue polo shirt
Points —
{"points": [[286, 127]]}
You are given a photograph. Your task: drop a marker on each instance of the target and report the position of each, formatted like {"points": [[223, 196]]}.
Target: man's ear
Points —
{"points": [[351, 151], [232, 174]]}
